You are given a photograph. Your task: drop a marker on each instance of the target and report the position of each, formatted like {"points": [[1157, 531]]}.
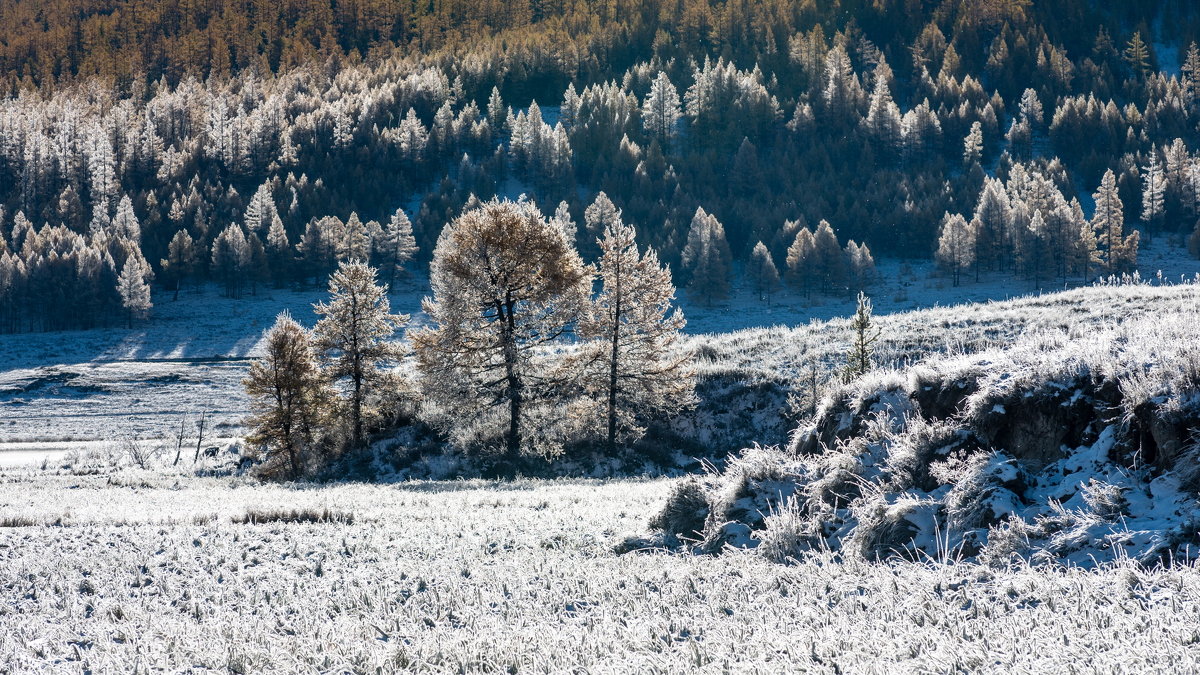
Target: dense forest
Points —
{"points": [[253, 143]]}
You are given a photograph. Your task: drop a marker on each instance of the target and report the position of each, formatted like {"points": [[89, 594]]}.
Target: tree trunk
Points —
{"points": [[612, 369], [508, 328]]}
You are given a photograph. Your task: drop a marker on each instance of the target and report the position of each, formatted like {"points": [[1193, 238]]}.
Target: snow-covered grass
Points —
{"points": [[1061, 437], [161, 573]]}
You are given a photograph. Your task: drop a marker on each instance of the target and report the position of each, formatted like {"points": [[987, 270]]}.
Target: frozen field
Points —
{"points": [[133, 572]]}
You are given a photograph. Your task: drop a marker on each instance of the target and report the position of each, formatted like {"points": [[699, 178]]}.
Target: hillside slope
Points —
{"points": [[1059, 428]]}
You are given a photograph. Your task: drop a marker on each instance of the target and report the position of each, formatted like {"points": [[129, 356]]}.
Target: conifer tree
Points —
{"points": [[353, 338], [661, 111], [956, 246], [1118, 252], [506, 283], [763, 272], [706, 257], [638, 369], [180, 263], [288, 396], [1153, 193], [973, 144], [231, 259], [863, 338], [133, 289], [399, 245], [802, 260], [279, 252]]}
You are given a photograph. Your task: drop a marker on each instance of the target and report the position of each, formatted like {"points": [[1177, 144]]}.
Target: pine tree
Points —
{"points": [[506, 283], [638, 369], [956, 246], [288, 396], [598, 217], [353, 338], [133, 289], [763, 272], [661, 111], [863, 338]]}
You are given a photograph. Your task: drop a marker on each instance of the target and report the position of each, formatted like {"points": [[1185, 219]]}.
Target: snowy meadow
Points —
{"points": [[136, 572]]}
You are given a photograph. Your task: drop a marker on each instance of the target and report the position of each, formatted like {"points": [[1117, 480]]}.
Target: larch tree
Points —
{"points": [[1118, 252], [289, 398], [1153, 193], [956, 246], [763, 272], [133, 288], [802, 260], [231, 258], [863, 338], [597, 218], [707, 258], [640, 371], [860, 264], [180, 263], [506, 283], [973, 144], [353, 338], [399, 245], [661, 111]]}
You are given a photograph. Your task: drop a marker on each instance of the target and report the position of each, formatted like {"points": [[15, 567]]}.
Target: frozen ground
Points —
{"points": [[133, 572], [114, 384]]}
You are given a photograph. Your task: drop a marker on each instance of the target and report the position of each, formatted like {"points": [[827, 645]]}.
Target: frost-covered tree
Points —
{"points": [[180, 263], [125, 222], [860, 263], [802, 260], [973, 144], [706, 257], [288, 396], [279, 251], [956, 246], [1117, 251], [661, 110], [506, 283], [638, 370], [355, 244], [1153, 192], [398, 245], [762, 272], [261, 210], [133, 288], [353, 338], [231, 259], [597, 218], [864, 335]]}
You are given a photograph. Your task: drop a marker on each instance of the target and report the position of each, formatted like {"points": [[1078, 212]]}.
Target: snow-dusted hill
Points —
{"points": [[1062, 428]]}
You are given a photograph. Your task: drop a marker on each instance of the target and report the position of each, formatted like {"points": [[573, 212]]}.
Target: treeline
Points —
{"points": [[523, 356], [771, 117]]}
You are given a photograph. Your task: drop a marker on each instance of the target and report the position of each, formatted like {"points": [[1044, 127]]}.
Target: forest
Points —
{"points": [[151, 147]]}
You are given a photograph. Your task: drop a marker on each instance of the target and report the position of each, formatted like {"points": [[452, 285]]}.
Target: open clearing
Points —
{"points": [[131, 572]]}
